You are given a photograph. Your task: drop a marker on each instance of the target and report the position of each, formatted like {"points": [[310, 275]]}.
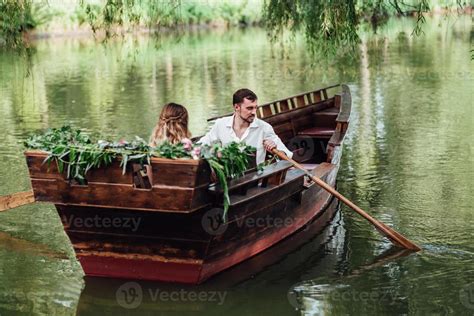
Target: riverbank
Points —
{"points": [[23, 21]]}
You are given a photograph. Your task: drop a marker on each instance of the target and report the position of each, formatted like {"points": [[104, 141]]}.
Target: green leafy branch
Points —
{"points": [[76, 153], [228, 162]]}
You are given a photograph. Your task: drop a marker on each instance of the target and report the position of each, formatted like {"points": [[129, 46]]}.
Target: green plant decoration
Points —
{"points": [[76, 153]]}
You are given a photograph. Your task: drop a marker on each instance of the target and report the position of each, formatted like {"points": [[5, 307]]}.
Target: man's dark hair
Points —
{"points": [[242, 94]]}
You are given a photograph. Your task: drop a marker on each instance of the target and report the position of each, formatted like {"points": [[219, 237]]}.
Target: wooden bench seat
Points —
{"points": [[331, 109], [253, 178], [319, 132], [310, 166], [316, 169]]}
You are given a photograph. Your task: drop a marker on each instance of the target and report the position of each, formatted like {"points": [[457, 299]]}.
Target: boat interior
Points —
{"points": [[310, 124]]}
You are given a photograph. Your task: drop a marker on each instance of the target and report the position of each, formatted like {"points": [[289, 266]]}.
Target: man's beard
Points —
{"points": [[249, 119]]}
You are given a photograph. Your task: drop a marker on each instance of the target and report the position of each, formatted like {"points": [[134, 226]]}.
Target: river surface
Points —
{"points": [[407, 159]]}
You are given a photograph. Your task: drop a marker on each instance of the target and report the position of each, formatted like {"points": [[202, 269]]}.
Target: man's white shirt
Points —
{"points": [[258, 130]]}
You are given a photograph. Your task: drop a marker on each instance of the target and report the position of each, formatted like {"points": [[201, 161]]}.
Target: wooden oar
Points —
{"points": [[396, 238], [17, 199]]}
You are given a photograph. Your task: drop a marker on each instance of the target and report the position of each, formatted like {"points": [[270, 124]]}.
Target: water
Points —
{"points": [[407, 159]]}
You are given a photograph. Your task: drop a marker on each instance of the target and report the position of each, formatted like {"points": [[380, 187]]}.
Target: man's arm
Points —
{"points": [[271, 137], [210, 137]]}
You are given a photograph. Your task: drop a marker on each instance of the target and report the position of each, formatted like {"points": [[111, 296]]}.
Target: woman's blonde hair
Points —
{"points": [[172, 125]]}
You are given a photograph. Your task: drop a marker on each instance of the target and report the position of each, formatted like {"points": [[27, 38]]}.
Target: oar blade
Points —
{"points": [[396, 238]]}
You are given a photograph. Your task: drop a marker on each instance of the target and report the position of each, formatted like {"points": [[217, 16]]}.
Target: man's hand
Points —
{"points": [[268, 144]]}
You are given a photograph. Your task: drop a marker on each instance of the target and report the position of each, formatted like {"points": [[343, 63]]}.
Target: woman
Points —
{"points": [[172, 126]]}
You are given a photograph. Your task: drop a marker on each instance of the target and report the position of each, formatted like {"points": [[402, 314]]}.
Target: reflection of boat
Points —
{"points": [[309, 257], [172, 231]]}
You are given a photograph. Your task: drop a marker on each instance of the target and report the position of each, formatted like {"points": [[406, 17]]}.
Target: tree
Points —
{"points": [[330, 26]]}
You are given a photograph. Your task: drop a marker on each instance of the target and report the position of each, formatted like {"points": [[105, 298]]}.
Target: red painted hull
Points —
{"points": [[110, 267], [313, 208]]}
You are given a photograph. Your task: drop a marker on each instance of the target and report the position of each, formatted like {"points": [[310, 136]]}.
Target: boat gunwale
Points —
{"points": [[185, 161], [285, 99]]}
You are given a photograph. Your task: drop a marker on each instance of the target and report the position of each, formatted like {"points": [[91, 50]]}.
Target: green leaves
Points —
{"points": [[228, 162], [76, 153], [331, 26], [171, 151]]}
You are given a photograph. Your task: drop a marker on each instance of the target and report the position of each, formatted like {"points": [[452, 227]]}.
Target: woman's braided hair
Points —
{"points": [[172, 125]]}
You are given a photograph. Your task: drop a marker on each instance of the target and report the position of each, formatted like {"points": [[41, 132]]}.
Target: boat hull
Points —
{"points": [[202, 252], [171, 229]]}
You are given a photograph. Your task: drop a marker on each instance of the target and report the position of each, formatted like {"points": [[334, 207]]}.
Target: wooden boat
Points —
{"points": [[171, 231]]}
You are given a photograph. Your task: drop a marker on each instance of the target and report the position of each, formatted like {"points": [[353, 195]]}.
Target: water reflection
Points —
{"points": [[233, 292], [407, 160]]}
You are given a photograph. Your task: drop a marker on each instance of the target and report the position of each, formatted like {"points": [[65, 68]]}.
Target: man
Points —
{"points": [[244, 126]]}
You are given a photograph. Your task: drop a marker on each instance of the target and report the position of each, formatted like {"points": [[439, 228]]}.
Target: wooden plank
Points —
{"points": [[15, 200], [324, 119], [286, 136], [345, 113], [317, 132], [336, 139], [153, 269], [300, 101], [317, 96], [337, 100], [175, 172], [284, 106], [272, 255], [47, 190], [325, 94], [137, 246], [38, 169], [112, 173], [258, 198], [159, 198], [294, 112], [280, 207], [253, 177], [304, 122], [287, 98], [180, 175], [323, 169], [134, 222], [290, 115], [266, 111], [291, 103], [333, 110], [283, 128]]}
